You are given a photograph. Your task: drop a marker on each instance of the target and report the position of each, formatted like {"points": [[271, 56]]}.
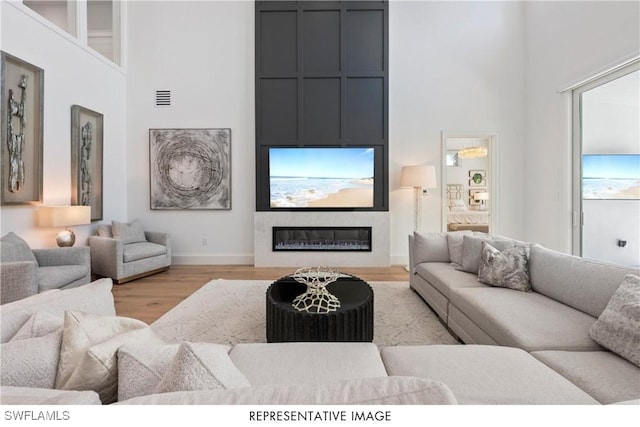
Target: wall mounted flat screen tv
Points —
{"points": [[317, 178], [611, 176]]}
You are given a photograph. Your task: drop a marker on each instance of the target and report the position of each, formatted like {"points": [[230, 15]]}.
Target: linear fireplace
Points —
{"points": [[332, 239]]}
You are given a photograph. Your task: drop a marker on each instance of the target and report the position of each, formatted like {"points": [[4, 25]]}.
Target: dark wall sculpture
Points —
{"points": [[322, 80]]}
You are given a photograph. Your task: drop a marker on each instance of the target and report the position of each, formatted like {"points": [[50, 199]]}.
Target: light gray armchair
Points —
{"points": [[125, 252], [25, 272]]}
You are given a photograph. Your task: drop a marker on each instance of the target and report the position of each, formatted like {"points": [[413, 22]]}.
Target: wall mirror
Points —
{"points": [[469, 184]]}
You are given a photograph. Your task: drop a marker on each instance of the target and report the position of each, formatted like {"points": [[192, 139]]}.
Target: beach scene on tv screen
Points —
{"points": [[611, 176], [321, 177]]}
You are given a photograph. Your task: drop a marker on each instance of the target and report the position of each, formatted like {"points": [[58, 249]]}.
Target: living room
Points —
{"points": [[454, 68]]}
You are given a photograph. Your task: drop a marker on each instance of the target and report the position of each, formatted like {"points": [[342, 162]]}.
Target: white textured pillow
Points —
{"points": [[95, 297], [128, 232], [141, 367], [31, 362], [88, 357], [201, 366], [430, 247], [618, 327], [38, 325]]}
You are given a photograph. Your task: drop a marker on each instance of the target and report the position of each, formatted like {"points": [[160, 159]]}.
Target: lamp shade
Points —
{"points": [[423, 176], [62, 216], [481, 196]]}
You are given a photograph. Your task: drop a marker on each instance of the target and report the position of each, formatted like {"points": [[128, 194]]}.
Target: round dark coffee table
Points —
{"points": [[353, 321]]}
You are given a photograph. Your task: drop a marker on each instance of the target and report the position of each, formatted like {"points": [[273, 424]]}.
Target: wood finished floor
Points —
{"points": [[150, 297]]}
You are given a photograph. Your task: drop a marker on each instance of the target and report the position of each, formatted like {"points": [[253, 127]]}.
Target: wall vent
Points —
{"points": [[163, 98]]}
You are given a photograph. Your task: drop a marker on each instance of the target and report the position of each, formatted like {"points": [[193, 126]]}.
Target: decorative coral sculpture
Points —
{"points": [[317, 298]]}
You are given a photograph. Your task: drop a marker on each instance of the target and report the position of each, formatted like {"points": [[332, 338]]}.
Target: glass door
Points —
{"points": [[607, 168]]}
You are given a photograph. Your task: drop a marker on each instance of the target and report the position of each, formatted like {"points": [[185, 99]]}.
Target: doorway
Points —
{"points": [[606, 147], [469, 182]]}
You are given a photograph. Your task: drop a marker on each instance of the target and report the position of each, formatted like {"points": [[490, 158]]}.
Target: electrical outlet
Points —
{"points": [[205, 242]]}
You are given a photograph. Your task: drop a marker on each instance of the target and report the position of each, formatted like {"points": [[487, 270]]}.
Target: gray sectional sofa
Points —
{"points": [[550, 325], [547, 358]]}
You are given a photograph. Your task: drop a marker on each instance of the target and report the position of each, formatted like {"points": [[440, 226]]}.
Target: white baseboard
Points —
{"points": [[212, 259]]}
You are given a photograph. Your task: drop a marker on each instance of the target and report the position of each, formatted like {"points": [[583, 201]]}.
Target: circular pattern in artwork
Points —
{"points": [[191, 169]]}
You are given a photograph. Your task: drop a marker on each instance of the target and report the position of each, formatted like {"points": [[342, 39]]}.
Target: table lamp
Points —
{"points": [[482, 197], [64, 216]]}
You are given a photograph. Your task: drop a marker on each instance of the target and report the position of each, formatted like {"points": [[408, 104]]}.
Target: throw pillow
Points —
{"points": [[13, 248], [454, 240], [88, 357], [506, 269], [31, 362], [430, 247], [38, 325], [201, 366], [141, 367], [131, 232], [104, 230], [472, 248], [618, 327]]}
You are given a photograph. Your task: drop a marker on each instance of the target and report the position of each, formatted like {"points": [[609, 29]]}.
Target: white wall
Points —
{"points": [[72, 75], [564, 43], [456, 67], [204, 53]]}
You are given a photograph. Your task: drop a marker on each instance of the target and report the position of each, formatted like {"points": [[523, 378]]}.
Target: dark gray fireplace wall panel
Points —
{"points": [[322, 80]]}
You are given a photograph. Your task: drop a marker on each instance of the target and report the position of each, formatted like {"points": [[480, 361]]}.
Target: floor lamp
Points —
{"points": [[419, 177]]}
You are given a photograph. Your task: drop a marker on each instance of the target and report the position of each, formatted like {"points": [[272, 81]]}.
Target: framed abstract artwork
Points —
{"points": [[22, 118], [86, 159], [190, 168]]}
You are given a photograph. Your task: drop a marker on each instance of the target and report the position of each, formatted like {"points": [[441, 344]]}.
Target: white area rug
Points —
{"points": [[233, 311]]}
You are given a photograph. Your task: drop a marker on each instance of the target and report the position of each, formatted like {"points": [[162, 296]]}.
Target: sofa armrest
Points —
{"points": [[412, 267], [51, 257], [18, 280], [107, 255], [160, 238]]}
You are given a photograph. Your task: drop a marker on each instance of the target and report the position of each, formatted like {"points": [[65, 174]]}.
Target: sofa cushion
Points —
{"points": [[362, 391], [479, 374], [280, 363], [507, 269], [581, 283], [201, 366], [43, 396], [14, 248], [128, 232], [454, 241], [430, 247], [605, 376], [31, 362], [525, 320], [618, 327], [141, 367], [60, 276], [88, 356], [136, 251], [95, 297], [444, 277], [472, 249]]}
